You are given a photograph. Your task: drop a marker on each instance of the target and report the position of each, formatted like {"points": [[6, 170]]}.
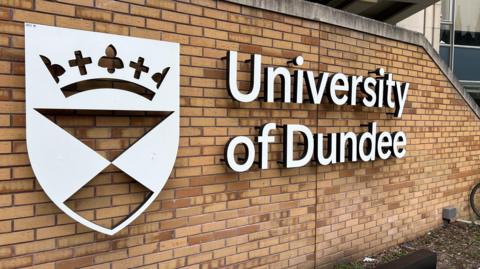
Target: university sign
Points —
{"points": [[381, 91], [59, 60]]}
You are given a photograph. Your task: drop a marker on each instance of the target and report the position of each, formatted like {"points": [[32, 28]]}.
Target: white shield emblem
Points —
{"points": [[56, 59]]}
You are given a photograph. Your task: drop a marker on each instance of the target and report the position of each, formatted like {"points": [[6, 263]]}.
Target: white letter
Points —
{"points": [[270, 74], [379, 91], [369, 92], [331, 152], [288, 131], [352, 147], [399, 140], [263, 140], [389, 83], [371, 136], [334, 87], [315, 92], [298, 81], [400, 98], [384, 144], [230, 153], [232, 87], [354, 81]]}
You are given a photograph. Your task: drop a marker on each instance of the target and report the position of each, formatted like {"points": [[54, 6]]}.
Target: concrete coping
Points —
{"points": [[325, 14]]}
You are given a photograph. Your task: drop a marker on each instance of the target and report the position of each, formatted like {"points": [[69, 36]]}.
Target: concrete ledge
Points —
{"points": [[325, 14]]}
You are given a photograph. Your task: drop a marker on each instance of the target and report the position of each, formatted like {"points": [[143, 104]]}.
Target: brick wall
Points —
{"points": [[206, 216]]}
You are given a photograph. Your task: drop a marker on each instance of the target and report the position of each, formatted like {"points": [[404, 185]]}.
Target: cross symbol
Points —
{"points": [[139, 67], [80, 62]]}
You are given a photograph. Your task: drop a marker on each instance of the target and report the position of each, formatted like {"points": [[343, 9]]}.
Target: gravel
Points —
{"points": [[457, 246]]}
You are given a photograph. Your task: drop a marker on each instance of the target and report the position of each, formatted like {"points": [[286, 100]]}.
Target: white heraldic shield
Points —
{"points": [[147, 75]]}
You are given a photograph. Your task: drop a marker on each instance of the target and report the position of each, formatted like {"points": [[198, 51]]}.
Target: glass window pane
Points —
{"points": [[467, 22], [445, 54], [473, 88], [446, 10], [445, 30], [466, 62]]}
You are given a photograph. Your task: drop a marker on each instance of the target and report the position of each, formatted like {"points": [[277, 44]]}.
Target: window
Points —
{"points": [[446, 31], [460, 42], [467, 22], [446, 15]]}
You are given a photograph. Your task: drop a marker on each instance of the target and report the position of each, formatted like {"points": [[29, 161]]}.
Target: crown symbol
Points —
{"points": [[54, 69], [111, 62]]}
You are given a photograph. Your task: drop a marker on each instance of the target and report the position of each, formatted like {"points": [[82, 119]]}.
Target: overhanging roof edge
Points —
{"points": [[403, 14], [325, 14]]}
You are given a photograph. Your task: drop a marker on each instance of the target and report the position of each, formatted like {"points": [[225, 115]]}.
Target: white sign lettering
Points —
{"points": [[340, 89]]}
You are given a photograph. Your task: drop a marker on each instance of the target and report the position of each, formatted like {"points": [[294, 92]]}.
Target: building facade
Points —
{"points": [[427, 22], [450, 25], [208, 216], [459, 41]]}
